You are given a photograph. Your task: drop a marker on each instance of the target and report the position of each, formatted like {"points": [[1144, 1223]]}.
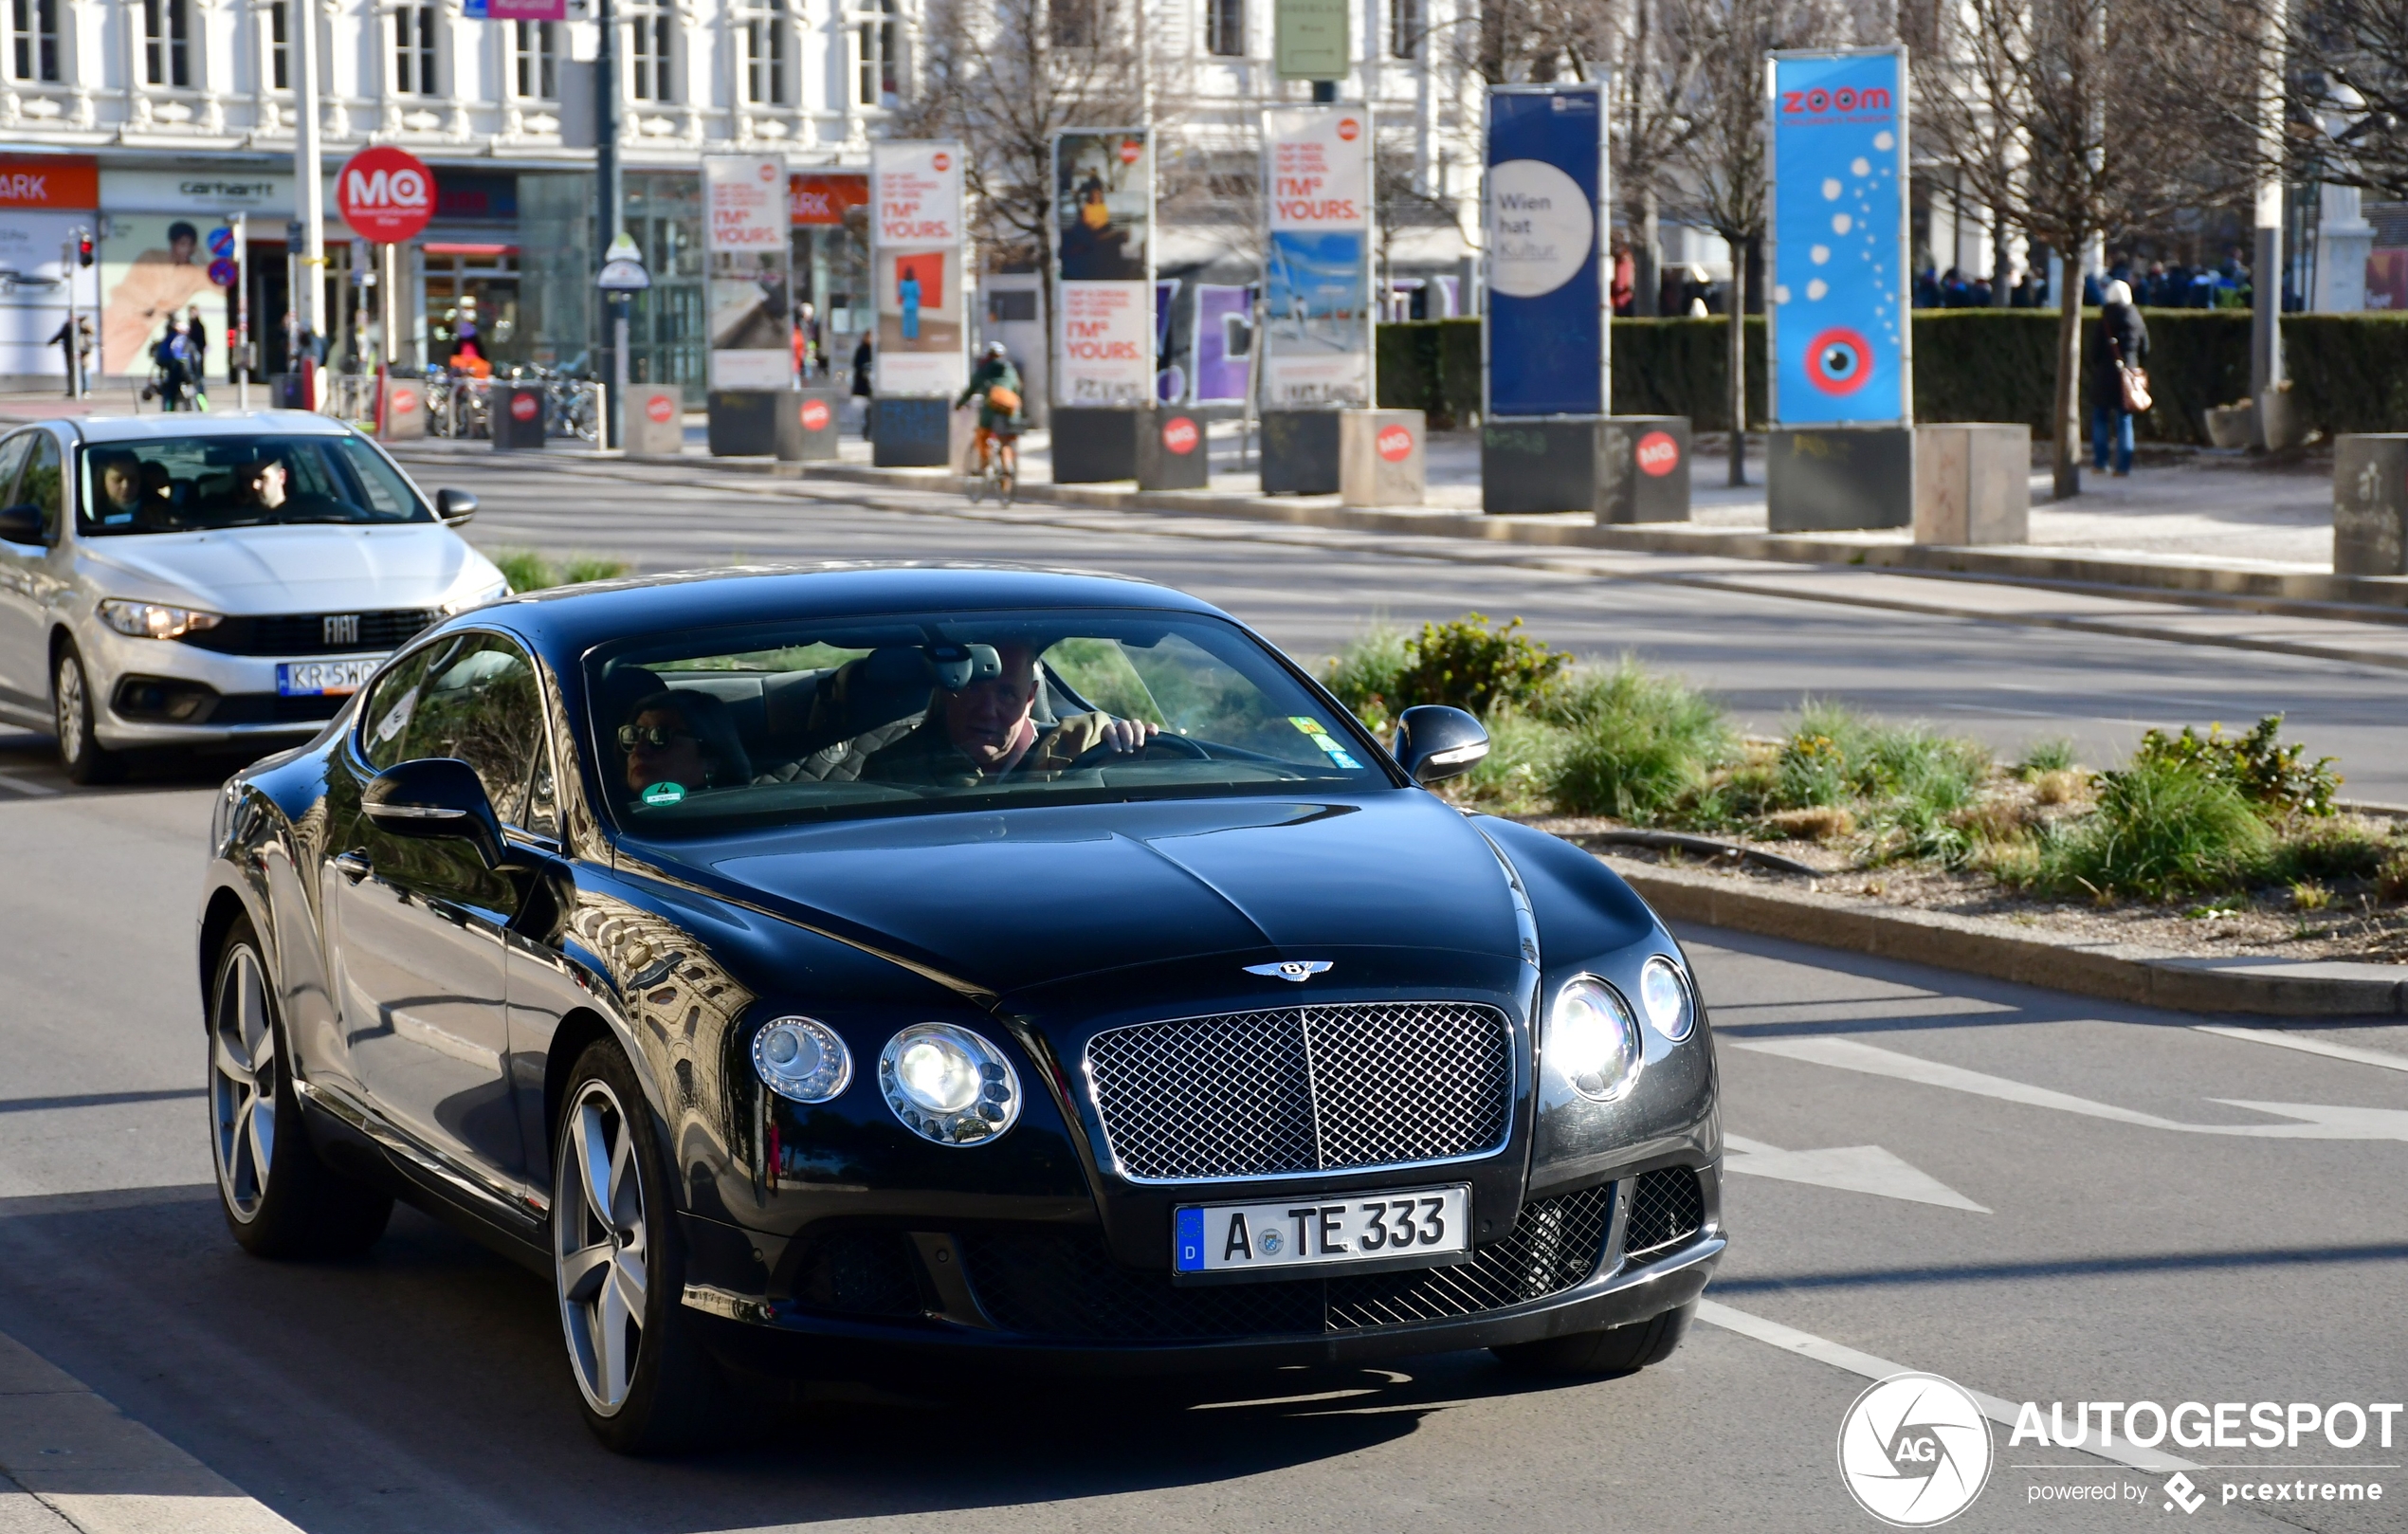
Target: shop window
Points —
{"points": [[648, 58], [1225, 27], [535, 57], [167, 41], [879, 42], [1073, 23], [34, 32], [765, 56], [415, 50], [1407, 21], [279, 49]]}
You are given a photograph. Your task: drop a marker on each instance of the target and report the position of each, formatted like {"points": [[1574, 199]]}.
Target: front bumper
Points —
{"points": [[1609, 1255], [126, 674]]}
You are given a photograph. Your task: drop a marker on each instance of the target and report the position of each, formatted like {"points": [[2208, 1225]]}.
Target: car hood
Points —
{"points": [[1017, 898], [307, 567]]}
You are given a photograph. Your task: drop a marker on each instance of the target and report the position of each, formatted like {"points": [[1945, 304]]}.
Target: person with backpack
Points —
{"points": [[995, 385]]}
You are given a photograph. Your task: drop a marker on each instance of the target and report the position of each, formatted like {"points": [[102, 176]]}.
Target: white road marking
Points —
{"points": [[2317, 1121], [2306, 1045], [1850, 1168], [1840, 1355], [104, 1472], [26, 786]]}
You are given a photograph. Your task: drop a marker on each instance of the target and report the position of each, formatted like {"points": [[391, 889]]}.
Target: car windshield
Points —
{"points": [[176, 484], [701, 733]]}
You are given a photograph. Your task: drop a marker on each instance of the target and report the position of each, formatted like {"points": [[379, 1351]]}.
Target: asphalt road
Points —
{"points": [[2001, 682], [2138, 1236]]}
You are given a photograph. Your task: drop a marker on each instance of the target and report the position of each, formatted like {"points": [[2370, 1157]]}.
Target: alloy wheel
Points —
{"points": [[242, 1067], [600, 1245], [69, 694]]}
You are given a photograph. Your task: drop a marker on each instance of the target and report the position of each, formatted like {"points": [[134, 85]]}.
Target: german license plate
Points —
{"points": [[1394, 1227], [324, 679]]}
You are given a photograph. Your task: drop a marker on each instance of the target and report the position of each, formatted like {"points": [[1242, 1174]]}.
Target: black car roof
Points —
{"points": [[567, 621]]}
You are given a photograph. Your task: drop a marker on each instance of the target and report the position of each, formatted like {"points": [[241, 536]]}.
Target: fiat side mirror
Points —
{"points": [[1436, 744], [455, 506], [21, 523], [435, 798]]}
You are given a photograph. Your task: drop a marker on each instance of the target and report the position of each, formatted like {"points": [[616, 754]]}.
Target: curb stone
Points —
{"points": [[2114, 972]]}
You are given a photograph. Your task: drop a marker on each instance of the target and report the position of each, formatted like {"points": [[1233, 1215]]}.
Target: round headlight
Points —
{"points": [[948, 1085], [1592, 1039], [802, 1058], [1664, 995]]}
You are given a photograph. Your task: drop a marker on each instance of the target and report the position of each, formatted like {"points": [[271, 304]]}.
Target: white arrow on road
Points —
{"points": [[2317, 1121], [1850, 1168]]}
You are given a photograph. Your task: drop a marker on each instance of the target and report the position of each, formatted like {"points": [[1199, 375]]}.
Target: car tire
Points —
{"points": [[279, 1198], [72, 709], [644, 1380], [1614, 1350]]}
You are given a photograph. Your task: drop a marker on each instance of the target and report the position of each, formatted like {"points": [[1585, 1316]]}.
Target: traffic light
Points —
{"points": [[82, 247]]}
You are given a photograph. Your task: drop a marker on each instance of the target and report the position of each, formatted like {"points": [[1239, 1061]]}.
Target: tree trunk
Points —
{"points": [[2001, 266], [1734, 309], [2066, 457], [1646, 275]]}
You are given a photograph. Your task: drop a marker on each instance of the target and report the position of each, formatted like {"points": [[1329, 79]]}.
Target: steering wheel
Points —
{"points": [[1178, 745]]}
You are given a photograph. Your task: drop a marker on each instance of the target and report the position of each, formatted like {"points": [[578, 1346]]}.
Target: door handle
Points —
{"points": [[352, 865]]}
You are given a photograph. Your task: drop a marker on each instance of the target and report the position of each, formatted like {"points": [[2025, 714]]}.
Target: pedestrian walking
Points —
{"points": [[2119, 379], [66, 338], [861, 385]]}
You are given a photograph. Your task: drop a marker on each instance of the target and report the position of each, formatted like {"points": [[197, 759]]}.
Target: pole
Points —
{"points": [[309, 295], [2266, 274], [609, 195], [239, 351], [67, 265]]}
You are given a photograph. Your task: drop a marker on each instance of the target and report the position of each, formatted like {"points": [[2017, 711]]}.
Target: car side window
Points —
{"points": [[391, 703], [43, 482], [479, 701], [13, 453]]}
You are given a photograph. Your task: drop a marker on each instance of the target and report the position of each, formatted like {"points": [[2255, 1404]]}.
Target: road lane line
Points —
{"points": [[2315, 1121], [2282, 1040], [26, 786], [1840, 1355], [104, 1472]]}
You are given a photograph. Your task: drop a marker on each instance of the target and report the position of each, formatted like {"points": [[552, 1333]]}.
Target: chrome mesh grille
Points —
{"points": [[1303, 1089]]}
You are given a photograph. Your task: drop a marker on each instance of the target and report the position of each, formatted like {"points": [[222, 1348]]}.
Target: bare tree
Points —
{"points": [[1718, 160], [2351, 80], [1534, 42], [2077, 118], [1655, 75]]}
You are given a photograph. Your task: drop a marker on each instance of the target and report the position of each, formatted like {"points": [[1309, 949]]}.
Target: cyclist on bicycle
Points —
{"points": [[995, 385]]}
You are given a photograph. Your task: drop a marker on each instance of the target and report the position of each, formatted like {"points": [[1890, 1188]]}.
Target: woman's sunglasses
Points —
{"points": [[655, 736]]}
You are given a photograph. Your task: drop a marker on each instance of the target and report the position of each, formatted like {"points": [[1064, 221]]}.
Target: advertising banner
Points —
{"points": [[153, 267], [1223, 316], [1317, 347], [1549, 283], [916, 236], [745, 219], [1104, 262], [1839, 240]]}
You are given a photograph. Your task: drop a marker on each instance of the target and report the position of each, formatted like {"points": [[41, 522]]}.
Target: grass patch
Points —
{"points": [[528, 571], [2162, 828], [1636, 744]]}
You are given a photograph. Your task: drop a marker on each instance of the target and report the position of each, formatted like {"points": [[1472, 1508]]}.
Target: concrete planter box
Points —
{"points": [[1973, 483], [1300, 452], [1171, 452], [1380, 457], [515, 416], [656, 421], [1093, 446], [1835, 479], [2370, 505]]}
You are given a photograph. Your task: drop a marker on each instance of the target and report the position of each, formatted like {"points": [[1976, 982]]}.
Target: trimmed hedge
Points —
{"points": [[2349, 372]]}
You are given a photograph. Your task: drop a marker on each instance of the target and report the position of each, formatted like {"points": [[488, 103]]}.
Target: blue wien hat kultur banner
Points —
{"points": [[1839, 300], [1545, 334]]}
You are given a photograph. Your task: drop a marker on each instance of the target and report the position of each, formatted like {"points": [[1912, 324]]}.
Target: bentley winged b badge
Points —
{"points": [[1299, 969]]}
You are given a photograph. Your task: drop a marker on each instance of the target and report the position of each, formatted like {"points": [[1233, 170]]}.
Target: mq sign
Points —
{"points": [[387, 195]]}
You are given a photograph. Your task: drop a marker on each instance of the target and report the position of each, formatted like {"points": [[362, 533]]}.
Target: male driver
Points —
{"points": [[984, 731]]}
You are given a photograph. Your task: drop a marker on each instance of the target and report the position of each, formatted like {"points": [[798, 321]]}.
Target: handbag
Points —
{"points": [[2136, 388]]}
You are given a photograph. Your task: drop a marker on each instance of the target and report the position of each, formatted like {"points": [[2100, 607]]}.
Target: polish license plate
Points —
{"points": [[324, 679], [1391, 1227]]}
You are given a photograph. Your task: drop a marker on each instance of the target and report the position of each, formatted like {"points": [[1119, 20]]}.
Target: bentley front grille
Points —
{"points": [[1340, 1088]]}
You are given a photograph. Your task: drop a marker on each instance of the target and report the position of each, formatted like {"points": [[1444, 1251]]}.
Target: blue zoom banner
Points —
{"points": [[1546, 332], [1840, 310]]}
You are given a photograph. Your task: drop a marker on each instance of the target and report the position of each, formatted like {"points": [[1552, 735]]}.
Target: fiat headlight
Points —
{"points": [[494, 592], [1592, 1039], [155, 620], [948, 1085], [803, 1059], [1664, 995]]}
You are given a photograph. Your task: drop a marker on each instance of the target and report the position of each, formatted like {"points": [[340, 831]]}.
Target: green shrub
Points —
{"points": [[1367, 674], [2333, 849], [2276, 777], [2161, 828], [2051, 756], [581, 568], [528, 571], [1514, 777], [1466, 664], [1636, 744], [1813, 770]]}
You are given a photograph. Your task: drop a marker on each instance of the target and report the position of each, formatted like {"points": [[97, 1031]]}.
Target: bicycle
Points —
{"points": [[997, 466]]}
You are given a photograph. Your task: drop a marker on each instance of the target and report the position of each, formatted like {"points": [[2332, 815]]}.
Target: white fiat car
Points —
{"points": [[211, 580]]}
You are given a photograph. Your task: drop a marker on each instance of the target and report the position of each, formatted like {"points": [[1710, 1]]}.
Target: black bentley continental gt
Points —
{"points": [[806, 966]]}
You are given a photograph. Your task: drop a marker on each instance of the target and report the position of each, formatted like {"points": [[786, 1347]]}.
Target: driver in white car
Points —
{"points": [[985, 730]]}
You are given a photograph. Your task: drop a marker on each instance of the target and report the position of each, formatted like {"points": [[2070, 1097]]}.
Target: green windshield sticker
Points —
{"points": [[1320, 737], [661, 793]]}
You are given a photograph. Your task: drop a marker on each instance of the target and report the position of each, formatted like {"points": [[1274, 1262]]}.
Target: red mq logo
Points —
{"points": [[1180, 435], [814, 415], [1394, 443], [523, 406], [1657, 454], [659, 408]]}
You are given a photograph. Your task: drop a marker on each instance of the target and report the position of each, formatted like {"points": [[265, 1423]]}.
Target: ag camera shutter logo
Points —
{"points": [[1915, 1450]]}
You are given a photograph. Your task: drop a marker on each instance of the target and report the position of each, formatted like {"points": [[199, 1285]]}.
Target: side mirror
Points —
{"points": [[435, 797], [22, 523], [455, 506], [1435, 743]]}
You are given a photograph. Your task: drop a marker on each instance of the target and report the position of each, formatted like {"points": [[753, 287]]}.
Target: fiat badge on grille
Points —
{"points": [[1299, 969]]}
